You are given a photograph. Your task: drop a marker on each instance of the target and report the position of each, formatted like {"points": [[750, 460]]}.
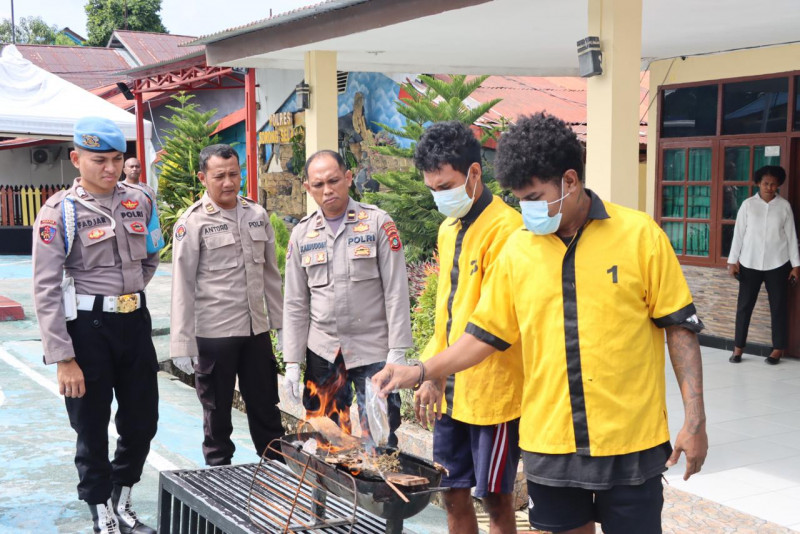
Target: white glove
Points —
{"points": [[396, 356], [292, 381], [279, 339], [185, 364]]}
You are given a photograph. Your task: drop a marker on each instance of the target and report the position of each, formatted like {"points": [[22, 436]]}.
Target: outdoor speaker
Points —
{"points": [[41, 155]]}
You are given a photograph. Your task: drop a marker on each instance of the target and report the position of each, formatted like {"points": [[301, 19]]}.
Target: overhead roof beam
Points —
{"points": [[346, 21]]}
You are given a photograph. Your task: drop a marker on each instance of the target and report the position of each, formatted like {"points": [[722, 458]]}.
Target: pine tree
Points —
{"points": [[406, 198], [178, 185]]}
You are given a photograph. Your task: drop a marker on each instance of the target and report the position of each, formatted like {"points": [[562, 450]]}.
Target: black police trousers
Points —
{"points": [[220, 361], [116, 354]]}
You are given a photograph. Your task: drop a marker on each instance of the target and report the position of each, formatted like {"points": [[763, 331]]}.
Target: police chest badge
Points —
{"points": [[361, 251], [180, 231], [307, 259], [47, 233], [138, 227], [361, 227], [390, 230], [129, 204], [319, 257], [362, 215], [96, 234], [312, 234]]}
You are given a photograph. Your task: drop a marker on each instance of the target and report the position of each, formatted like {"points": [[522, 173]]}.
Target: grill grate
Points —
{"points": [[218, 500], [272, 495]]}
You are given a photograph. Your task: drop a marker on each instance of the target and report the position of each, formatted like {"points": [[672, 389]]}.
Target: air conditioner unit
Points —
{"points": [[40, 156]]}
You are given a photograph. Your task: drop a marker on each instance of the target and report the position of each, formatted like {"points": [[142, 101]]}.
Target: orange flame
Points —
{"points": [[329, 405]]}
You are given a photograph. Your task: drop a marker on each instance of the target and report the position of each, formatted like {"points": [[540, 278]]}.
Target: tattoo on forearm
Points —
{"points": [[684, 351]]}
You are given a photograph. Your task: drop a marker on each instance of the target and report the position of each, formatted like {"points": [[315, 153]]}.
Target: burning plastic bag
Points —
{"points": [[377, 415]]}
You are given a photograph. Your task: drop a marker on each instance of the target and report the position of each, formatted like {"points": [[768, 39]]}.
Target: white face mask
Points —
{"points": [[455, 202]]}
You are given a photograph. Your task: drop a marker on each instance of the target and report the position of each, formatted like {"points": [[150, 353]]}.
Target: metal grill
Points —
{"points": [[305, 498], [215, 500]]}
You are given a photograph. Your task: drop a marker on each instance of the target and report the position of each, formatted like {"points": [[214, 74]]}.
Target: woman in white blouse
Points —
{"points": [[764, 249]]}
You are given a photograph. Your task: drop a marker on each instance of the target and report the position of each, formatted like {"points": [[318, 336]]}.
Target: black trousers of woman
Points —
{"points": [[777, 282]]}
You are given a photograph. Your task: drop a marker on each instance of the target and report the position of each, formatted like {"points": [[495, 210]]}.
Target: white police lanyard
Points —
{"points": [[95, 209]]}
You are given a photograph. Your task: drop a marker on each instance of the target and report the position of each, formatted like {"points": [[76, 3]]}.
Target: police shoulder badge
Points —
{"points": [[180, 232], [390, 230], [91, 141], [209, 208], [47, 233], [351, 215]]}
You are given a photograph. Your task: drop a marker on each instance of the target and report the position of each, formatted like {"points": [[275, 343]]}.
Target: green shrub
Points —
{"points": [[281, 241], [424, 277]]}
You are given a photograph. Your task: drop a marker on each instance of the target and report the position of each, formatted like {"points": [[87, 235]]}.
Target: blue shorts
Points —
{"points": [[620, 510], [483, 457]]}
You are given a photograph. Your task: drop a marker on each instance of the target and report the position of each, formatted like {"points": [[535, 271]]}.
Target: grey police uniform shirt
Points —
{"points": [[102, 261], [347, 290], [147, 189], [225, 277]]}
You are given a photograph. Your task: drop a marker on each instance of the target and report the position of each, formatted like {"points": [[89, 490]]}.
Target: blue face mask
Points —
{"points": [[536, 216], [454, 202]]}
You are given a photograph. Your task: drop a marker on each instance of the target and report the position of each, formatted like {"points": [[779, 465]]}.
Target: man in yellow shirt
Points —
{"points": [[477, 435], [589, 288]]}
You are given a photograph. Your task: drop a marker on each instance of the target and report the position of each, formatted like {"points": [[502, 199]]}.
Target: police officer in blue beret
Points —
{"points": [[95, 248]]}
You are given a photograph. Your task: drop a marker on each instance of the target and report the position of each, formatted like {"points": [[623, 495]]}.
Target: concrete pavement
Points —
{"points": [[750, 483]]}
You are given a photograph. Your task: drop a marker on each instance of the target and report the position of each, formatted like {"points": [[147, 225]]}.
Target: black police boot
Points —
{"points": [[103, 519], [128, 523]]}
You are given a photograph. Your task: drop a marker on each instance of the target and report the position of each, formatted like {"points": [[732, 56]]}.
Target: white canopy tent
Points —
{"points": [[37, 104]]}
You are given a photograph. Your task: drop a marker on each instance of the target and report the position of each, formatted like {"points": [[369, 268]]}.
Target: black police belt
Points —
{"points": [[113, 304]]}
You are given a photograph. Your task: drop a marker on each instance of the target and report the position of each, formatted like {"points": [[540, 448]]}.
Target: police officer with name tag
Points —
{"points": [[95, 248], [226, 296], [346, 305]]}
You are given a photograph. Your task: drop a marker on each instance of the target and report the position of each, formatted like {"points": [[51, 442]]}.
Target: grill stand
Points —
{"points": [[214, 501]]}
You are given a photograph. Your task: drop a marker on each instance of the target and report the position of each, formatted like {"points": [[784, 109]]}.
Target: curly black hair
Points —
{"points": [[776, 171], [538, 146], [447, 142]]}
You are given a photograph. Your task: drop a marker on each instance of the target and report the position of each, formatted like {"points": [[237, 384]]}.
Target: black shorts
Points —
{"points": [[621, 509]]}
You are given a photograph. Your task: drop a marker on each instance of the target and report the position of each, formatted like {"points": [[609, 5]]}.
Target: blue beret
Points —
{"points": [[98, 135]]}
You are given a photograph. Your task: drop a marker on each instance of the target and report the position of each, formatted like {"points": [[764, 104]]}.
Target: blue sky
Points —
{"points": [[183, 17]]}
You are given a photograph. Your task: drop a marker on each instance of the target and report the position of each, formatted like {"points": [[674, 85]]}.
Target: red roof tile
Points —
{"points": [[93, 67], [564, 97], [85, 66], [148, 47], [230, 119]]}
